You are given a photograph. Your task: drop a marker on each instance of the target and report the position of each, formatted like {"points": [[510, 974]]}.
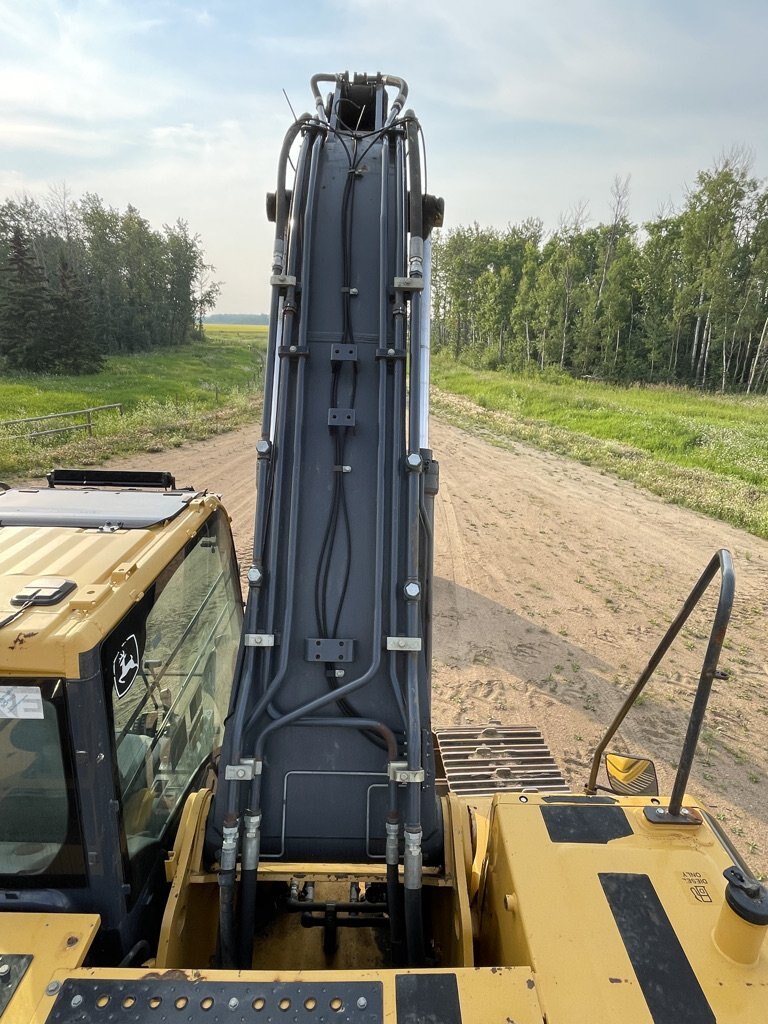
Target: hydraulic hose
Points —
{"points": [[281, 207], [227, 869], [399, 102], [412, 861], [252, 839], [248, 881], [245, 668]]}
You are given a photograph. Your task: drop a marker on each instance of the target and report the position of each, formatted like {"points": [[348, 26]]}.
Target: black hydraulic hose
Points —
{"points": [[281, 207], [248, 883], [140, 948], [313, 84], [252, 834], [355, 684], [395, 911], [298, 425], [246, 658], [399, 102], [412, 861], [398, 425], [414, 927], [227, 870], [384, 731]]}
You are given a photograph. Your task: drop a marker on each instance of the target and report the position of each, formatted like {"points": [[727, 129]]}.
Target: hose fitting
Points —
{"points": [[251, 840], [230, 834], [392, 848], [412, 859]]}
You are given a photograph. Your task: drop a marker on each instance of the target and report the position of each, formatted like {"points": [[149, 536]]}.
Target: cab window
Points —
{"points": [[39, 819], [169, 667]]}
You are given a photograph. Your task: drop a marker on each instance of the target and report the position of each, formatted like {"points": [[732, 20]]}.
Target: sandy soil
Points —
{"points": [[554, 582]]}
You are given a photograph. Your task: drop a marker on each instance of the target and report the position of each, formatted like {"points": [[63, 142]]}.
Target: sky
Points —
{"points": [[528, 108]]}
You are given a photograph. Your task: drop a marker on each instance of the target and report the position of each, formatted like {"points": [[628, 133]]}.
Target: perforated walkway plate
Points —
{"points": [[163, 1000], [483, 760]]}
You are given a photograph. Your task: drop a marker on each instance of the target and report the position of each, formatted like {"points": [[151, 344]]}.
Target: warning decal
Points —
{"points": [[21, 702]]}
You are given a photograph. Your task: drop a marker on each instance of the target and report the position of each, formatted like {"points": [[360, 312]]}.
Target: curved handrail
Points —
{"points": [[723, 562]]}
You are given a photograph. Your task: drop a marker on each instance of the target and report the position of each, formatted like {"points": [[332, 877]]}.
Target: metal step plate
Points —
{"points": [[483, 760]]}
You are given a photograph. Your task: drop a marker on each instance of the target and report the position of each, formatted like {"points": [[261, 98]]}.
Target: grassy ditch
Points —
{"points": [[707, 452], [169, 396]]}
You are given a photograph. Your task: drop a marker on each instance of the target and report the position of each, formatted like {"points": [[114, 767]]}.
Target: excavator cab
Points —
{"points": [[104, 734]]}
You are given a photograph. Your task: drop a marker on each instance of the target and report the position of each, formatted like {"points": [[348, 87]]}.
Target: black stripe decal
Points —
{"points": [[666, 977], [579, 824], [427, 997]]}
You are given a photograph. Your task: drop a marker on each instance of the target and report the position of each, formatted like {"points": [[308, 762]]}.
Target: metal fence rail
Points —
{"points": [[88, 425]]}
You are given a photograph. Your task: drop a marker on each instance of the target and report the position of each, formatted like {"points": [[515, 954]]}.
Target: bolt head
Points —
{"points": [[660, 812], [254, 575], [412, 590], [413, 460], [262, 446], [76, 1001], [684, 812], [233, 1003], [5, 970], [241, 773], [362, 1002], [52, 988]]}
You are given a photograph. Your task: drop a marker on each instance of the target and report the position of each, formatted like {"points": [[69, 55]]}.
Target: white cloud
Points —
{"points": [[176, 106]]}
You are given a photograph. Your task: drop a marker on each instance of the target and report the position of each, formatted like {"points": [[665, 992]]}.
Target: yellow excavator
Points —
{"points": [[217, 813]]}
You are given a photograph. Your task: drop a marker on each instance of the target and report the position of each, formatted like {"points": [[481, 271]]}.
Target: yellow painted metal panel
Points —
{"points": [[112, 571], [57, 942]]}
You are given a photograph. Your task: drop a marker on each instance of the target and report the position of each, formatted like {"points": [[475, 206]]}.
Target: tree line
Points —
{"points": [[680, 299], [80, 280]]}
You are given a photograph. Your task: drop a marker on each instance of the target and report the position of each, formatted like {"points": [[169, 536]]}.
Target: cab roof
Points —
{"points": [[111, 544], [91, 507]]}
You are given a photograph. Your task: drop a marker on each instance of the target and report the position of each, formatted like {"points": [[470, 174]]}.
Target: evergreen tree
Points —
{"points": [[25, 310]]}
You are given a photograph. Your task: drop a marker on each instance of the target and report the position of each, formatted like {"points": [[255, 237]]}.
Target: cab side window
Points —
{"points": [[171, 668]]}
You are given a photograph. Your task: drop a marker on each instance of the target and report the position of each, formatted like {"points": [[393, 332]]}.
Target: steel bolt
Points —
{"points": [[413, 460], [660, 812], [52, 988], [362, 1002], [412, 590], [76, 1001], [241, 773], [233, 1003], [254, 575], [5, 972], [262, 446], [684, 812]]}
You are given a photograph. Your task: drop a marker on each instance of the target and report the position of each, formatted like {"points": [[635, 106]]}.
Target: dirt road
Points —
{"points": [[553, 585]]}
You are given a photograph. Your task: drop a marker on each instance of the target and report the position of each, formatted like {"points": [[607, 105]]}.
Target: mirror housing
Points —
{"points": [[631, 776]]}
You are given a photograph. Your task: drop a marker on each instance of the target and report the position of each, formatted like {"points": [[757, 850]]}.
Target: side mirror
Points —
{"points": [[631, 776]]}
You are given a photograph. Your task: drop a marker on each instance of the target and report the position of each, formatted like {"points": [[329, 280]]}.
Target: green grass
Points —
{"points": [[705, 451], [169, 395]]}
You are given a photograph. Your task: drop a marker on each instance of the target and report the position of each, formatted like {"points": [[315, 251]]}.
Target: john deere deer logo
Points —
{"points": [[125, 666]]}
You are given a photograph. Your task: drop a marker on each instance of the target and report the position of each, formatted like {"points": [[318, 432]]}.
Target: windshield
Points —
{"points": [[39, 826]]}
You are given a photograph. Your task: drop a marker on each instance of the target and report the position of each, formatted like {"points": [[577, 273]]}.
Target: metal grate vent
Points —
{"points": [[483, 760]]}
